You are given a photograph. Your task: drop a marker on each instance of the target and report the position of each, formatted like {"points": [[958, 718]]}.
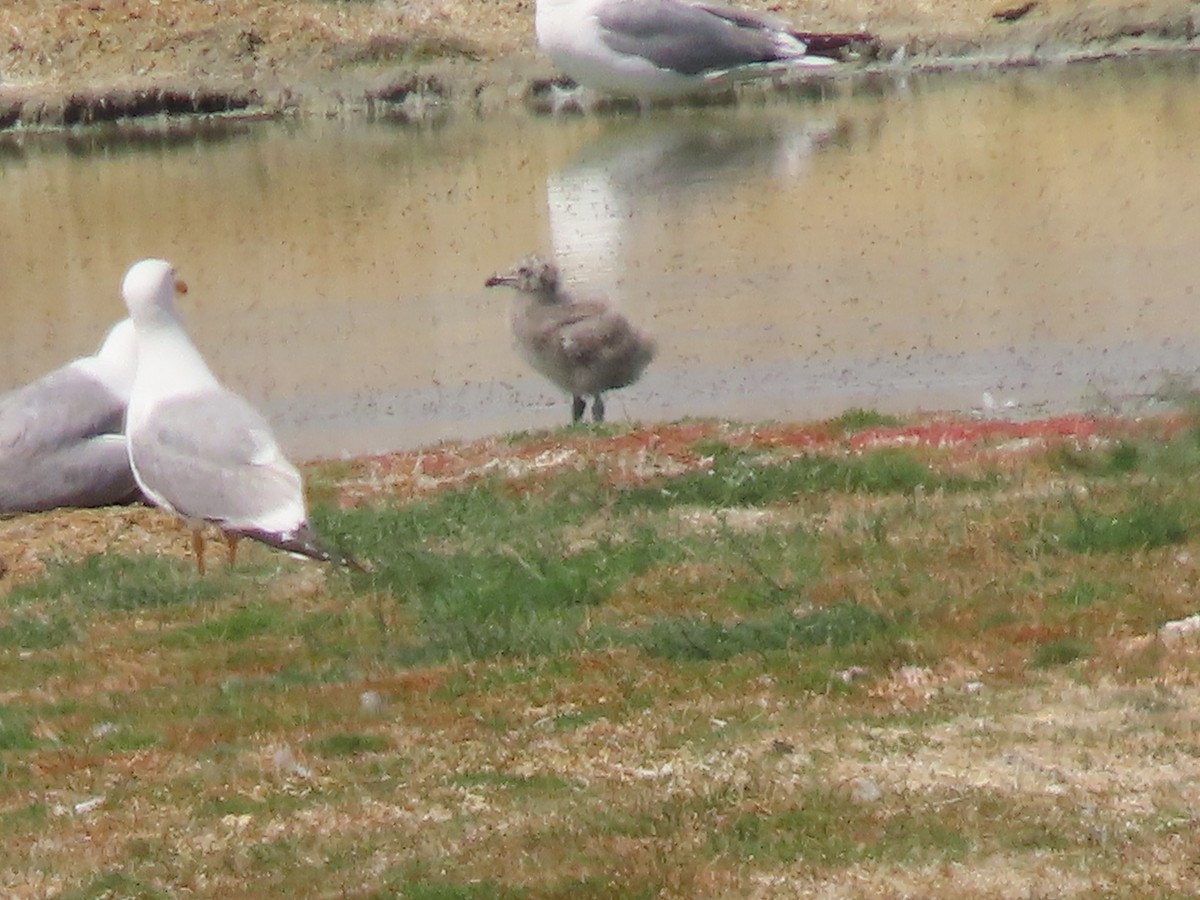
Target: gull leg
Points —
{"points": [[231, 542], [578, 405], [198, 549], [597, 408]]}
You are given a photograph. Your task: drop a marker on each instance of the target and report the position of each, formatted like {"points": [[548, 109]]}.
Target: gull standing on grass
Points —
{"points": [[659, 49], [62, 441], [583, 346], [197, 449]]}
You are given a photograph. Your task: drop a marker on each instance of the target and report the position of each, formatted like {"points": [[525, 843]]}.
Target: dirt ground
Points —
{"points": [[95, 60]]}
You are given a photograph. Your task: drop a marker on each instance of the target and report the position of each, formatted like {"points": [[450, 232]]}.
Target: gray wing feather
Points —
{"points": [[590, 346], [686, 38], [58, 409], [587, 336], [61, 445], [202, 455], [94, 472]]}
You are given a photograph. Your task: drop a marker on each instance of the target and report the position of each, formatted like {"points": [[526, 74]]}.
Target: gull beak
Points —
{"points": [[501, 278], [180, 286]]}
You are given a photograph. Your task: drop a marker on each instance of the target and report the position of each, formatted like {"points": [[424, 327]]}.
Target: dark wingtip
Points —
{"points": [[305, 542]]}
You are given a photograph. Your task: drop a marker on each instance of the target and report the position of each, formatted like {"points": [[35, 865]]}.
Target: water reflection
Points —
{"points": [[116, 140], [1031, 234], [598, 201]]}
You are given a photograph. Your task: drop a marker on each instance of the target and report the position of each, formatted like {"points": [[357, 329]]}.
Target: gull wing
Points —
{"points": [[57, 409], [212, 456], [61, 445], [690, 39]]}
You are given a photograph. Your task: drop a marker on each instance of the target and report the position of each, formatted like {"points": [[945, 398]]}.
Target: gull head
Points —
{"points": [[149, 290], [532, 275]]}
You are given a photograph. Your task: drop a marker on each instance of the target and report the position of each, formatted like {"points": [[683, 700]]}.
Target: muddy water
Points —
{"points": [[1028, 236]]}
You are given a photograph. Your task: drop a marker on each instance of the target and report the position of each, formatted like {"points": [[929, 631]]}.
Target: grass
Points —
{"points": [[602, 681], [736, 478], [697, 639], [1142, 524], [116, 583]]}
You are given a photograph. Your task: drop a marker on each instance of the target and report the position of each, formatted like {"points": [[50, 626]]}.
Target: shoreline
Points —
{"points": [[435, 71]]}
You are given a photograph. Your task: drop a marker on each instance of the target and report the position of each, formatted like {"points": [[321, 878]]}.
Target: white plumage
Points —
{"points": [[196, 448], [654, 49]]}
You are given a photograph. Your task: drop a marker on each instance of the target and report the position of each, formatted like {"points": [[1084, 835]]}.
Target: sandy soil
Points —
{"points": [[94, 60]]}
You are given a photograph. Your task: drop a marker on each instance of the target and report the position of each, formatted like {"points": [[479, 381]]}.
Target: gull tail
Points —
{"points": [[833, 45], [305, 542]]}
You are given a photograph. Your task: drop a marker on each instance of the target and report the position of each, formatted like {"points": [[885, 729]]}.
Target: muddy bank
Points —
{"points": [[121, 60]]}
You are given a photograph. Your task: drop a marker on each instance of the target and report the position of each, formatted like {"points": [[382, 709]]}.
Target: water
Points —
{"points": [[1029, 234]]}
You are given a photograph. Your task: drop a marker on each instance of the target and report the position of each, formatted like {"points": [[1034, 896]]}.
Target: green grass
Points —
{"points": [[403, 887], [858, 419], [737, 478], [113, 884], [828, 830], [117, 583], [36, 631], [1143, 524], [1084, 592], [512, 585], [699, 639], [1059, 653], [240, 624], [349, 744], [15, 730]]}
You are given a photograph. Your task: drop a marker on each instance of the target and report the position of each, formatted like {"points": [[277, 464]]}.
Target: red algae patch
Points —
{"points": [[956, 432], [650, 451]]}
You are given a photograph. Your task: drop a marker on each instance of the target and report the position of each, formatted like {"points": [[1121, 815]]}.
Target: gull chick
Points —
{"points": [[197, 449], [62, 441], [583, 346], [657, 49]]}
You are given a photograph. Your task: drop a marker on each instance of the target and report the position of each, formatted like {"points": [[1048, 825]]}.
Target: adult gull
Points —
{"points": [[657, 49], [583, 346], [196, 448], [61, 437]]}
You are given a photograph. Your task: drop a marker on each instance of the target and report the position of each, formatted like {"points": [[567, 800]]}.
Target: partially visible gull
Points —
{"points": [[61, 437], [583, 346], [197, 449], [657, 49]]}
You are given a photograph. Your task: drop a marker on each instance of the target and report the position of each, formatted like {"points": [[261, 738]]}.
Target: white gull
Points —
{"points": [[61, 437], [657, 49], [196, 448]]}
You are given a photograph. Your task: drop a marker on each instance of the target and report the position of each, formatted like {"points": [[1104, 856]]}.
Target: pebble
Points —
{"points": [[1180, 628], [864, 790]]}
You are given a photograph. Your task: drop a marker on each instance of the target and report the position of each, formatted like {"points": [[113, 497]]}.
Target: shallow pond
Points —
{"points": [[1022, 241]]}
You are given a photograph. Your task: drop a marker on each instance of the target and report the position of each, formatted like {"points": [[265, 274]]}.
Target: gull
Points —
{"points": [[197, 449], [659, 49], [583, 346], [61, 437]]}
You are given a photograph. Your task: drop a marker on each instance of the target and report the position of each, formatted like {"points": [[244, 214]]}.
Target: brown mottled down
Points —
{"points": [[584, 346]]}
